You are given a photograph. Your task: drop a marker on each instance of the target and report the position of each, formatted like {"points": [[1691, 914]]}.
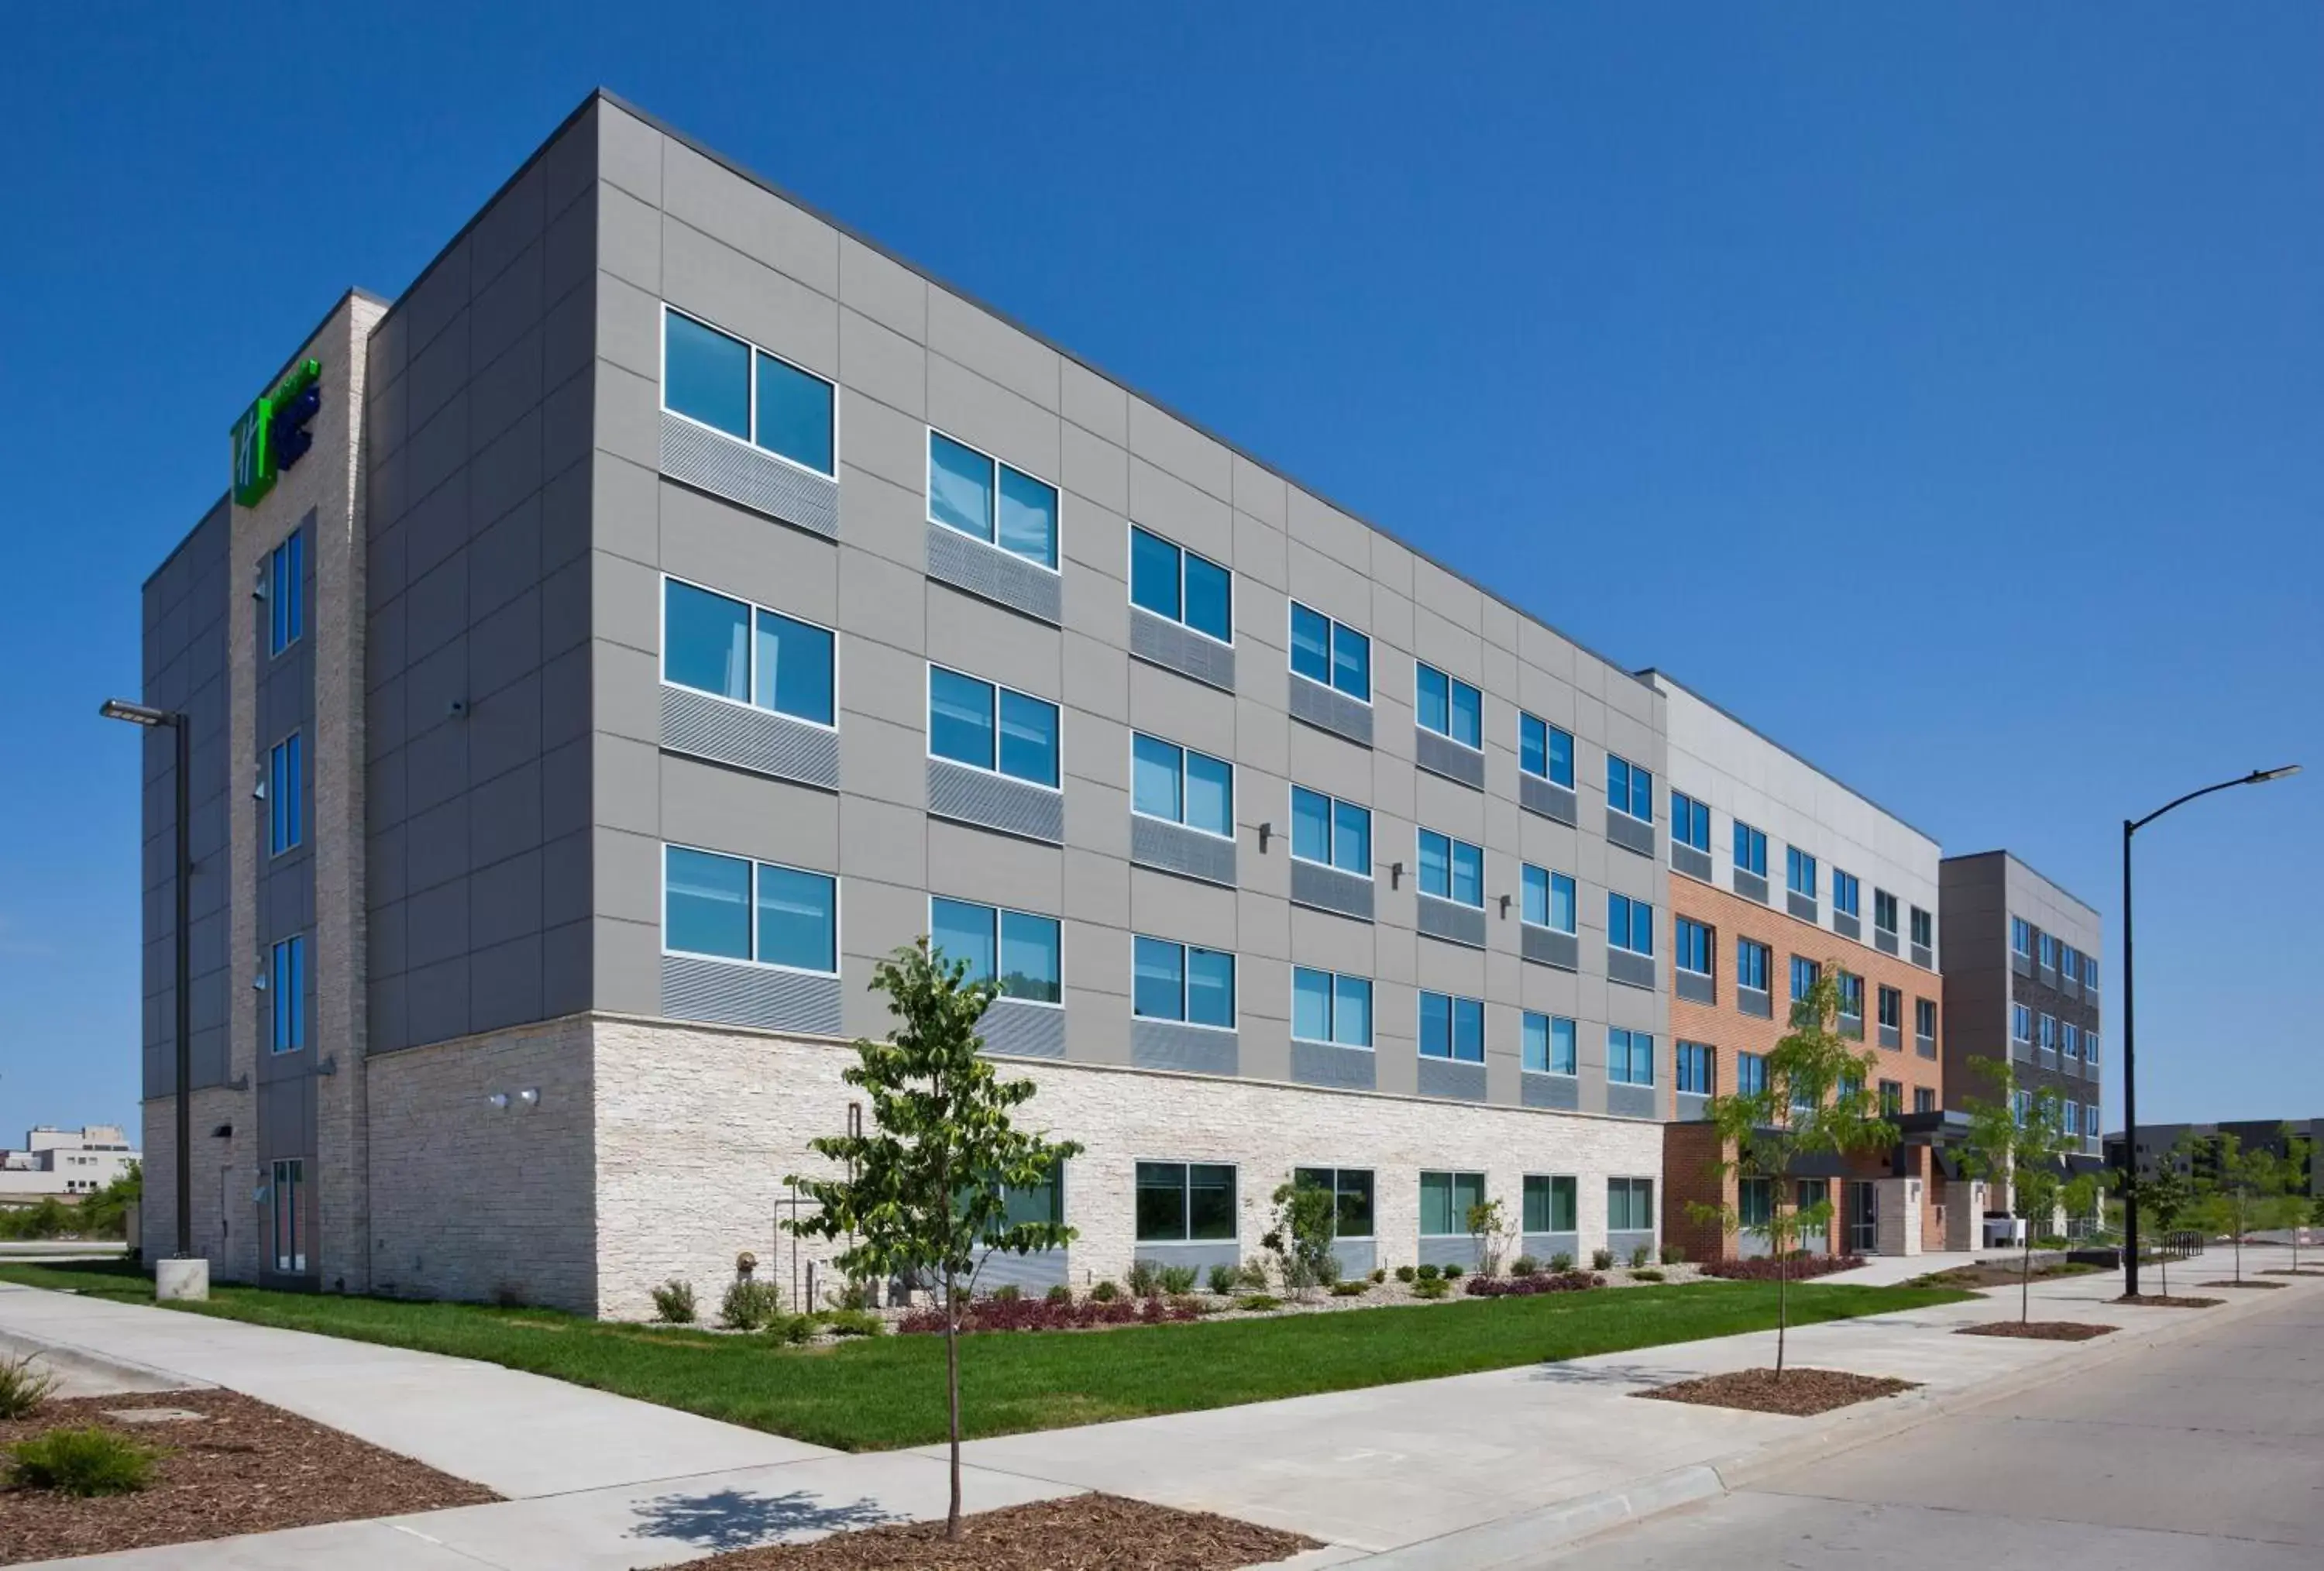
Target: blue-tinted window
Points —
{"points": [[1448, 706], [1544, 751], [1750, 1075], [1846, 892], [2071, 1043], [1804, 974], [1335, 833], [1326, 1007], [1750, 849], [706, 375], [798, 918], [791, 668], [1546, 897], [1451, 1028], [1690, 822], [286, 592], [1851, 995], [1028, 517], [1017, 949], [1629, 924], [717, 644], [985, 726], [706, 904], [2021, 936], [1329, 653], [1182, 785], [1183, 983], [1445, 1201], [795, 414], [1693, 946], [2049, 950], [1629, 788], [1799, 872], [1014, 511], [287, 986], [1452, 869], [1174, 582], [2021, 1023], [1925, 1023], [1629, 1058], [1751, 965], [1883, 911], [1549, 1044], [2090, 962], [1697, 1072], [286, 794]]}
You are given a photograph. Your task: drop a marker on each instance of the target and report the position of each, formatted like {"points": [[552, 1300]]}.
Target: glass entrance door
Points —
{"points": [[1863, 1217]]}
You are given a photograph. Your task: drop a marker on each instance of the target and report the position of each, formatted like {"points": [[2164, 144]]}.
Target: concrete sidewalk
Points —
{"points": [[1472, 1471]]}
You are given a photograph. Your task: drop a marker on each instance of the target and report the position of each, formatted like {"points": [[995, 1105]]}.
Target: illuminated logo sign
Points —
{"points": [[273, 436]]}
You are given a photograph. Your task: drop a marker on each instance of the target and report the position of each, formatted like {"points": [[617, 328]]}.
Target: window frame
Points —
{"points": [[1130, 587], [1550, 877], [999, 968], [661, 393], [1765, 971], [1881, 897], [1333, 628], [1630, 924], [1707, 1056], [1794, 861], [928, 735], [1549, 733], [838, 900], [286, 982], [751, 644], [1333, 805], [1550, 1181], [1638, 781], [1185, 1199], [1371, 1197], [1186, 984], [1710, 947], [1455, 1176], [286, 592], [286, 806], [1751, 1074], [1694, 807], [1854, 887], [1880, 1002], [1331, 1000], [1453, 1018], [2021, 937], [1421, 669], [1754, 840], [1453, 845], [1638, 1186], [1549, 1036], [1055, 568], [1230, 835], [1630, 1040], [1927, 1006], [2021, 1014]]}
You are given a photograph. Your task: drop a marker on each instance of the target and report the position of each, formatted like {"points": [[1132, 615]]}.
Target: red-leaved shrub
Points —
{"points": [[1526, 1287], [1797, 1268], [1040, 1315]]}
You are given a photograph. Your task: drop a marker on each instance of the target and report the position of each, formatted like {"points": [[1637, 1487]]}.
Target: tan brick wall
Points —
{"points": [[698, 1126]]}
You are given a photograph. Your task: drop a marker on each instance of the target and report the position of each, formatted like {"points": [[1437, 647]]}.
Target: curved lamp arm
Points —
{"points": [[2257, 777]]}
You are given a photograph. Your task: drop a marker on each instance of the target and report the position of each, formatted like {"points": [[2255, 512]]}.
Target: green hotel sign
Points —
{"points": [[273, 436]]}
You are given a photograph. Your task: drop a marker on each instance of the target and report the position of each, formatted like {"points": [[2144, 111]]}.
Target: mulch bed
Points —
{"points": [[1796, 1391], [2229, 1283], [2040, 1330], [244, 1467], [1082, 1532], [2168, 1301], [2285, 1271]]}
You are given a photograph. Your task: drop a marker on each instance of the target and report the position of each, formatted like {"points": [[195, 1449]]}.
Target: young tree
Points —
{"points": [[929, 1178], [2020, 1139], [2250, 1179], [2165, 1196], [1813, 1103], [1489, 1226], [2298, 1179], [1306, 1224]]}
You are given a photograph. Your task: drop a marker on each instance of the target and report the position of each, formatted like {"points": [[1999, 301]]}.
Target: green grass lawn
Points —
{"points": [[873, 1395]]}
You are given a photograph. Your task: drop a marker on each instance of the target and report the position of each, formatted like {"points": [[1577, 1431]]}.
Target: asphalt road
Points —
{"points": [[2206, 1453]]}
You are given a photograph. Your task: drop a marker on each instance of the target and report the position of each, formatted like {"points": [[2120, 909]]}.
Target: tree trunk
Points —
{"points": [[2162, 1259], [1782, 1310], [2239, 1247], [2025, 1281], [951, 1390]]}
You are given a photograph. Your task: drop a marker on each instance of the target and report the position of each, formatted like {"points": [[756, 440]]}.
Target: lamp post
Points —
{"points": [[2130, 1015], [145, 715]]}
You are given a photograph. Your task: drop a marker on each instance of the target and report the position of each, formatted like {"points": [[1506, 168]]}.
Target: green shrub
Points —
{"points": [[1602, 1260], [1525, 1265], [82, 1462], [1178, 1281], [1561, 1263], [1251, 1277], [674, 1302], [1405, 1273], [851, 1295], [1351, 1288], [855, 1322], [1379, 1274], [1059, 1294], [1640, 1256], [1007, 1293], [1673, 1254], [1430, 1288], [1259, 1301], [1646, 1273], [1453, 1272], [23, 1387], [1145, 1279], [1105, 1292], [749, 1305], [1222, 1279], [1189, 1305], [1429, 1273], [794, 1329]]}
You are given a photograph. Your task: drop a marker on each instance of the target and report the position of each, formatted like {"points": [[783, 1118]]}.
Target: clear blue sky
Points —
{"points": [[1942, 391]]}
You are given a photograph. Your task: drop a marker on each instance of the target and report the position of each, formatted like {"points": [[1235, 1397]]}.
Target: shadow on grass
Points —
{"points": [[737, 1519]]}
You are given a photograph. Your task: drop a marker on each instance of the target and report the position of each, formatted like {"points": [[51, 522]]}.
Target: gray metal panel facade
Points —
{"points": [[1450, 1078], [1629, 833], [1548, 946], [992, 574], [1181, 650], [758, 740], [1632, 1101], [1440, 754], [1459, 1249], [1803, 906], [716, 462], [1559, 1093], [1328, 1064], [185, 669], [994, 802], [1847, 925], [1328, 709], [1545, 1247], [1750, 886], [1023, 1029], [1694, 864], [1201, 1257], [1756, 1001], [1551, 800], [1329, 889], [1694, 986], [1175, 848], [1626, 1244], [1629, 969], [695, 988], [1162, 1044], [1449, 920]]}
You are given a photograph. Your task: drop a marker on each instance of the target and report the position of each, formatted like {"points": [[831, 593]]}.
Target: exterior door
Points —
{"points": [[1815, 1192], [1863, 1218]]}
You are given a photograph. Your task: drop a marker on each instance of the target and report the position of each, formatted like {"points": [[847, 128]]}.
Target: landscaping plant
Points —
{"points": [[1560, 1262], [2297, 1173], [1813, 1102], [673, 1302], [1058, 1293], [1525, 1265], [1178, 1281], [81, 1462], [1306, 1221], [2165, 1196], [1673, 1254], [927, 1183], [1145, 1279], [1105, 1292], [1452, 1272], [1602, 1260], [24, 1386], [2020, 1138], [1405, 1274], [1222, 1279], [1489, 1226], [1527, 1286], [1640, 1256], [748, 1304], [2248, 1178]]}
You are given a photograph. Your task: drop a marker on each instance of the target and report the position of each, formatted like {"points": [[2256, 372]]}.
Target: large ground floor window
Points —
{"points": [[1629, 1205], [1185, 1202], [1351, 1188], [1551, 1204], [1446, 1200]]}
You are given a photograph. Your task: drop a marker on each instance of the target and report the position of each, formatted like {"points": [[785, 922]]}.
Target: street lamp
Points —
{"points": [[2129, 1017], [145, 715]]}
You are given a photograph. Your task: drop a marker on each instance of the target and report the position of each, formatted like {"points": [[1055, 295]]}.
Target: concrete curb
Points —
{"points": [[47, 1346], [1522, 1538]]}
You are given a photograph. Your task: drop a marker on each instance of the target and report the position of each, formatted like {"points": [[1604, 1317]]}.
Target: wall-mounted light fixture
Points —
{"points": [[1395, 873], [1505, 908], [500, 1101], [1264, 831], [529, 1096]]}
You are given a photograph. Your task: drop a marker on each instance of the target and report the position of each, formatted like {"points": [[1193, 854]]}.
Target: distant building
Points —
{"points": [[64, 1162], [2157, 1141]]}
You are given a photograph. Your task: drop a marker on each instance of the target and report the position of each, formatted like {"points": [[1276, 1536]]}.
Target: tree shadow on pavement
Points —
{"points": [[736, 1518]]}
